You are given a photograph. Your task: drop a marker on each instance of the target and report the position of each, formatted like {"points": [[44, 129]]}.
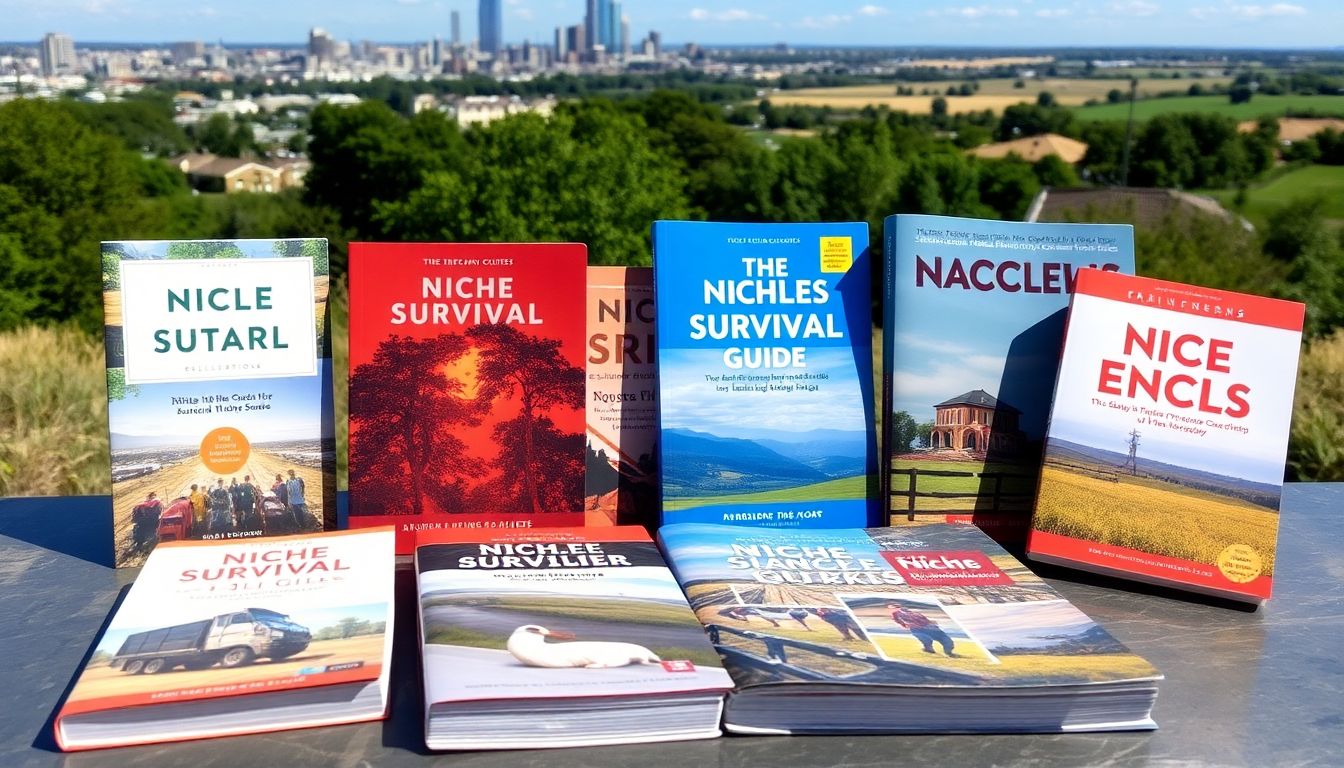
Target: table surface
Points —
{"points": [[1243, 687]]}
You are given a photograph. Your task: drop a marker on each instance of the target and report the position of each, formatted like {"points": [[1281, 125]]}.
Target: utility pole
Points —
{"points": [[1133, 461], [1129, 131]]}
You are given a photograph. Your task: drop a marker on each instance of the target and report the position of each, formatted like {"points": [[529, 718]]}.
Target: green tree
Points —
{"points": [[588, 175], [904, 431], [63, 188]]}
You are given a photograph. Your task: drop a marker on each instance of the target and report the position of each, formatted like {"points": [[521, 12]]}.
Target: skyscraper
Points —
{"points": [[456, 38], [613, 41], [491, 19], [590, 24], [57, 53], [603, 23]]}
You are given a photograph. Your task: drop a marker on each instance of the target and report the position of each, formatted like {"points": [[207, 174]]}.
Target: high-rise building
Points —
{"points": [[560, 49], [656, 38], [57, 54], [576, 40], [491, 18], [625, 36], [436, 53], [590, 24], [184, 52], [456, 38], [321, 46], [613, 41], [603, 23]]}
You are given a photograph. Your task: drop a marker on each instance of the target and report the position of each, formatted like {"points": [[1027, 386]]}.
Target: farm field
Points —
{"points": [[994, 94], [1151, 516], [1256, 107], [843, 488], [1262, 200]]}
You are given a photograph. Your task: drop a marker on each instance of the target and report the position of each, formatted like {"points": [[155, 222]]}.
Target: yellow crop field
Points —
{"points": [[994, 94], [1162, 520]]}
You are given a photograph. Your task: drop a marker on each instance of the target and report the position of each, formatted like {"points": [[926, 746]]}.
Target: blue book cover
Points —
{"points": [[973, 325], [765, 374]]}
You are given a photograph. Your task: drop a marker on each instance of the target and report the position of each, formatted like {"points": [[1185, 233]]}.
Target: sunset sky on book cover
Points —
{"points": [[1165, 457], [974, 321], [466, 385]]}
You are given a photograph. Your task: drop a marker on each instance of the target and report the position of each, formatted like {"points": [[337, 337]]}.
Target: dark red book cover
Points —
{"points": [[466, 386]]}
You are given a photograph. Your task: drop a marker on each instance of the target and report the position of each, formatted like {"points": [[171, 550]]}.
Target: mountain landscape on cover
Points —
{"points": [[699, 463]]}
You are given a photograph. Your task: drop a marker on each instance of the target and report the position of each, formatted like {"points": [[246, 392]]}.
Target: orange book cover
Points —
{"points": [[466, 385], [621, 485]]}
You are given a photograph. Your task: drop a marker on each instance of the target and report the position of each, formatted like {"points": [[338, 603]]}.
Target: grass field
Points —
{"points": [[1023, 486], [1154, 517], [844, 488], [1265, 198], [995, 94], [1257, 106]]}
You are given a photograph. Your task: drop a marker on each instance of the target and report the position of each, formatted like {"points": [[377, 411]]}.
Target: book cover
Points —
{"points": [[213, 632], [1165, 456], [972, 327], [466, 385], [934, 605], [765, 374], [219, 390], [621, 483], [561, 614]]}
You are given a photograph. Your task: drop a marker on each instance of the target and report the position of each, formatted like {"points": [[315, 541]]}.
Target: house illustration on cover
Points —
{"points": [[976, 422]]}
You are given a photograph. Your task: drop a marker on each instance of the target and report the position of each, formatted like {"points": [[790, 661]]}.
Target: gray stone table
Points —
{"points": [[1243, 687]]}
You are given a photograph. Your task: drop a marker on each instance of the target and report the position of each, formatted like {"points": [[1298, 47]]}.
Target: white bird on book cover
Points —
{"points": [[528, 645]]}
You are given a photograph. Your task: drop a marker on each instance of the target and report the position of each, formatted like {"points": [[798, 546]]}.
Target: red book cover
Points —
{"points": [[1165, 452], [466, 386]]}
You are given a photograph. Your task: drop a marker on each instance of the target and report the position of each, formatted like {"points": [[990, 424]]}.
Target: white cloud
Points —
{"points": [[1248, 11], [977, 11], [872, 10], [1133, 8], [1053, 13], [824, 22], [731, 14]]}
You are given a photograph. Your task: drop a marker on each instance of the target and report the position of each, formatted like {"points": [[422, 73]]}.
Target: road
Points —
{"points": [[176, 479]]}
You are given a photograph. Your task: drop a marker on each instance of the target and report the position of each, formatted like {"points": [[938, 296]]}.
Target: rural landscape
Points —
{"points": [[866, 135]]}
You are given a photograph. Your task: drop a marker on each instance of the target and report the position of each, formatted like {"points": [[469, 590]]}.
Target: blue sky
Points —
{"points": [[1208, 23]]}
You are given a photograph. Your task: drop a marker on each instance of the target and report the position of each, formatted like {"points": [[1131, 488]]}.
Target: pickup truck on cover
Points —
{"points": [[229, 640]]}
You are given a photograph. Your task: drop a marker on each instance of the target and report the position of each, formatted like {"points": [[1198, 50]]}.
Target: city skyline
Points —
{"points": [[969, 23]]}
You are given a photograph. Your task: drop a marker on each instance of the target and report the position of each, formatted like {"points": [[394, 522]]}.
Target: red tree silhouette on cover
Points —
{"points": [[404, 407], [532, 369]]}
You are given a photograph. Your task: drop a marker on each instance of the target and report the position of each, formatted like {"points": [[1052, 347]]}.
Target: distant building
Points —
{"points": [[576, 42], [1033, 148], [321, 48], [656, 38], [456, 38], [625, 36], [188, 51], [1143, 206], [57, 54], [480, 110], [976, 422], [491, 19], [590, 25], [211, 173]]}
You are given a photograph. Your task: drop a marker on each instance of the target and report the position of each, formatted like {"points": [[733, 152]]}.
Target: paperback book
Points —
{"points": [[466, 386], [217, 638], [1165, 456], [765, 374], [922, 628], [974, 320], [219, 391], [559, 638], [622, 408]]}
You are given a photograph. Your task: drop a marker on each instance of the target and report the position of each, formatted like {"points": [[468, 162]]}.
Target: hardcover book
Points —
{"points": [[219, 390], [217, 638], [622, 476], [1165, 455], [921, 628], [973, 322], [765, 374], [556, 638], [466, 385]]}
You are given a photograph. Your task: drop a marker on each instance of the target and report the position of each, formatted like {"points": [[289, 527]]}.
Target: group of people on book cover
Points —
{"points": [[218, 510]]}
